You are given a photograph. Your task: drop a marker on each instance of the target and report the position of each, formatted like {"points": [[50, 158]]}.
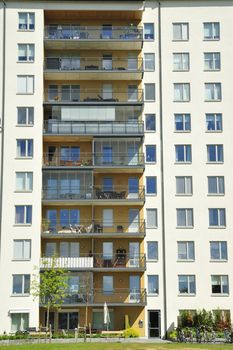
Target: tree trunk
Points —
{"points": [[47, 320]]}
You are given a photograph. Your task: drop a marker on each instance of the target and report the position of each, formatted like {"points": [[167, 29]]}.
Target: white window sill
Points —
{"points": [[186, 294], [218, 260], [151, 194], [25, 30], [206, 39], [152, 260], [24, 125], [24, 93], [181, 163], [183, 195], [153, 295], [213, 100], [24, 158], [22, 225], [185, 260], [150, 131], [182, 101], [212, 70], [214, 131], [21, 259], [182, 131], [178, 40], [215, 162], [152, 228], [180, 70], [217, 227], [153, 162], [185, 227], [220, 294], [23, 191], [216, 194], [19, 295], [25, 61]]}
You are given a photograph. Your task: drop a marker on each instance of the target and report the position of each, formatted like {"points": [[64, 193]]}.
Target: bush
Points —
{"points": [[186, 318], [131, 333], [172, 335]]}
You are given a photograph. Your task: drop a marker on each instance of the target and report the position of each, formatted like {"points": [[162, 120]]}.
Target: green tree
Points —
{"points": [[50, 286]]}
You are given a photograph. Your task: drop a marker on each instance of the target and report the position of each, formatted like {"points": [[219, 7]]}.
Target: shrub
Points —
{"points": [[186, 318], [203, 318], [172, 335], [127, 325], [131, 333]]}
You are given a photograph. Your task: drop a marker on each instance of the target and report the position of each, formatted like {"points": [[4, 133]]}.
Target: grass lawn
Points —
{"points": [[111, 346]]}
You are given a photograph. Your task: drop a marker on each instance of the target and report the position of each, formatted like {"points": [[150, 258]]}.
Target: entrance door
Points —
{"points": [[134, 255], [133, 220], [154, 323], [132, 154], [134, 287]]}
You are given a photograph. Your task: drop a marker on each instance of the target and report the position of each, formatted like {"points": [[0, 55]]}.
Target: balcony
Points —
{"points": [[99, 262], [78, 96], [93, 228], [97, 297], [86, 195], [98, 37], [91, 68], [59, 127], [120, 261], [117, 160], [71, 263]]}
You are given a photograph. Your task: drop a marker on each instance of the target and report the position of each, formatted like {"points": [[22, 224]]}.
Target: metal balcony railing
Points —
{"points": [[95, 33], [79, 95], [94, 227], [116, 64], [97, 261], [100, 296], [58, 127], [96, 159], [88, 193]]}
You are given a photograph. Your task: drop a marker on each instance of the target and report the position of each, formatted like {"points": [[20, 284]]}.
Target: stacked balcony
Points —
{"points": [[93, 194]]}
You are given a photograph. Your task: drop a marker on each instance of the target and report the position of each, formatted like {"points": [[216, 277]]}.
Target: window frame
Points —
{"points": [[182, 61], [26, 181], [221, 284], [218, 150], [181, 24], [218, 185], [220, 258], [23, 283], [26, 92], [215, 122], [186, 217], [185, 161], [219, 211], [27, 114], [155, 217], [27, 149], [187, 251], [215, 92], [186, 186], [147, 60], [156, 279], [188, 284], [155, 183], [25, 209], [153, 99], [188, 99], [151, 115], [21, 320], [147, 147], [23, 242], [152, 34], [212, 38], [27, 60], [213, 61], [27, 29], [156, 251], [184, 122]]}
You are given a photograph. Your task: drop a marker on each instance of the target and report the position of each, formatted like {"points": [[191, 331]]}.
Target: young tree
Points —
{"points": [[50, 286]]}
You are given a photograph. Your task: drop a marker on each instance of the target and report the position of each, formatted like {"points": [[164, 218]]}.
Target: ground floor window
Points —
{"points": [[19, 321], [98, 320], [67, 320]]}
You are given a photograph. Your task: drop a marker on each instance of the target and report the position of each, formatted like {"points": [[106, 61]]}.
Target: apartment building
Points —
{"points": [[116, 158]]}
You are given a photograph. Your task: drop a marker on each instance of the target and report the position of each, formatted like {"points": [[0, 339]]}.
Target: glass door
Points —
{"points": [[106, 31], [134, 254], [133, 220], [107, 62], [107, 91], [132, 93], [133, 187], [107, 154], [154, 323], [132, 154], [53, 93], [132, 62], [107, 254], [134, 289]]}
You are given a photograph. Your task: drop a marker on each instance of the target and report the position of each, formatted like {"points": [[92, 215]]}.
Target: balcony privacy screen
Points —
{"points": [[87, 113]]}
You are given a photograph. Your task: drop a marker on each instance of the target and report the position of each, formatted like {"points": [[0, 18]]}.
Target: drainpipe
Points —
{"points": [[162, 167], [3, 113]]}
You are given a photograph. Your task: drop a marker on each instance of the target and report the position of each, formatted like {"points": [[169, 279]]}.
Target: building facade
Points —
{"points": [[116, 159]]}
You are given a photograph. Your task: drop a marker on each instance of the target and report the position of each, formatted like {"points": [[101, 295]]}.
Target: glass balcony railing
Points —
{"points": [[87, 64], [136, 227], [58, 127], [121, 159], [87, 33], [100, 296], [93, 96], [97, 261], [117, 193]]}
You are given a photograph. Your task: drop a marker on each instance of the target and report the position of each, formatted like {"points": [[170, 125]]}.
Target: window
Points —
{"points": [[213, 92], [218, 250], [153, 284], [149, 61], [21, 284], [217, 217], [216, 185], [149, 31], [183, 153], [150, 122], [22, 249], [181, 92], [25, 84], [180, 61], [107, 284], [24, 181], [215, 153], [187, 284], [67, 320], [151, 185], [25, 148], [107, 217], [213, 122], [26, 21], [25, 115], [26, 52], [184, 185], [185, 250], [151, 153], [23, 214], [180, 31], [19, 321], [219, 284], [152, 250], [211, 61], [184, 217], [211, 31], [182, 122], [149, 92], [151, 218]]}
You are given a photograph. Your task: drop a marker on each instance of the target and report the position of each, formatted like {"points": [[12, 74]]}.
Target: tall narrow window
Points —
{"points": [[151, 218], [149, 92], [21, 284], [151, 185], [150, 122], [25, 148], [149, 31], [149, 61]]}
